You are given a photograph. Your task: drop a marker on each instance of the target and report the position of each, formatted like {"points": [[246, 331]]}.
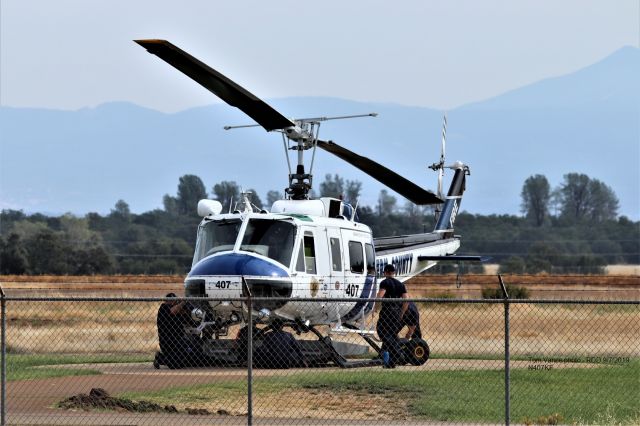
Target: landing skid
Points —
{"points": [[341, 361], [308, 353]]}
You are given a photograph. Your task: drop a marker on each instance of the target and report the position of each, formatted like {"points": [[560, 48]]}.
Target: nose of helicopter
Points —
{"points": [[237, 264], [264, 278]]}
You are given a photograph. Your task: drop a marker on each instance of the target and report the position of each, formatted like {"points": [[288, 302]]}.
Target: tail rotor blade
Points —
{"points": [[223, 87], [401, 185], [442, 155], [444, 138]]}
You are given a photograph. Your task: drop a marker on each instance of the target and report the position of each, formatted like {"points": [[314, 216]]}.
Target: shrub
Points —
{"points": [[515, 292]]}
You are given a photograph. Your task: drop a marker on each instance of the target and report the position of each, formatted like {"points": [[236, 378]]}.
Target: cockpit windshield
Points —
{"points": [[270, 238], [216, 236]]}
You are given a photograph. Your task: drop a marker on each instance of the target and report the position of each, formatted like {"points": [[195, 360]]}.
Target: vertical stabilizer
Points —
{"points": [[454, 197]]}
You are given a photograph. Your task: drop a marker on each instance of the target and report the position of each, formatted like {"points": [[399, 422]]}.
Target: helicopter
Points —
{"points": [[302, 248]]}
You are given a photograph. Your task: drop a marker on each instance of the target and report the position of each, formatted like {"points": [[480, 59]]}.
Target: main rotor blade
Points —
{"points": [[218, 84], [402, 186]]}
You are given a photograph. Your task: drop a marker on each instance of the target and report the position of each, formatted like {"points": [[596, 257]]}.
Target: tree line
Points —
{"points": [[573, 228]]}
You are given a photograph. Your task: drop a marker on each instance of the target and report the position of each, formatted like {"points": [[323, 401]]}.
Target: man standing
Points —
{"points": [[391, 313]]}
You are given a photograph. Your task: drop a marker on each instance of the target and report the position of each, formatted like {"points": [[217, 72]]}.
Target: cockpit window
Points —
{"points": [[216, 236], [271, 238]]}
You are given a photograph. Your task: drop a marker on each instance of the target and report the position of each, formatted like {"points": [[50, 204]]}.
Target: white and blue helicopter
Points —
{"points": [[303, 248]]}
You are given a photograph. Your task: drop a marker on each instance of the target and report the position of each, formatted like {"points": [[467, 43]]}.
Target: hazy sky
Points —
{"points": [[70, 54]]}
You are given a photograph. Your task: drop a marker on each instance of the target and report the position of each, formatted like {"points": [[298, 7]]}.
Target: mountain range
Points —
{"points": [[56, 161]]}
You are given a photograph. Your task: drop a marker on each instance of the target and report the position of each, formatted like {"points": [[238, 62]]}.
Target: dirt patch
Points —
{"points": [[100, 399], [316, 403]]}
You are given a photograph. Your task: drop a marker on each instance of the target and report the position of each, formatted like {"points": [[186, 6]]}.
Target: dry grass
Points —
{"points": [[119, 327], [81, 327], [114, 327], [583, 287], [585, 330]]}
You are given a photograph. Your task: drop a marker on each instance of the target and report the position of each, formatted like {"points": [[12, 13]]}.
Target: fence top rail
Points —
{"points": [[322, 299]]}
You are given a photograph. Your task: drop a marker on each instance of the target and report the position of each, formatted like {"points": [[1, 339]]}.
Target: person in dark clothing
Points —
{"points": [[279, 349], [411, 319], [175, 350], [391, 313]]}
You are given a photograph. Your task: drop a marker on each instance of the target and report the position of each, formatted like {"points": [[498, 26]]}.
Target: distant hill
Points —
{"points": [[80, 161]]}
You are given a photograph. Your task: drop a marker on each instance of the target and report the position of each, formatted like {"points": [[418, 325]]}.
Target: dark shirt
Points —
{"points": [[170, 327], [394, 289]]}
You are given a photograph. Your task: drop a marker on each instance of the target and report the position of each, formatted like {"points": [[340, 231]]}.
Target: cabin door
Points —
{"points": [[313, 263], [336, 262]]}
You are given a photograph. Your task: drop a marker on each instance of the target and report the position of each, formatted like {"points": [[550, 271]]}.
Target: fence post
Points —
{"points": [[249, 353], [507, 356], [3, 350]]}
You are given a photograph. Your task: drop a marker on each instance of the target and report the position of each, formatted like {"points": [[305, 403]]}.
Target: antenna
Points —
{"points": [[355, 209]]}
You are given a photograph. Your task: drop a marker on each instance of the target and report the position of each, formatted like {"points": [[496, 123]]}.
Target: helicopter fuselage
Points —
{"points": [[303, 249]]}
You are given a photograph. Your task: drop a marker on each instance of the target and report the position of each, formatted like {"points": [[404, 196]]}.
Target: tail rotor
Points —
{"points": [[439, 166]]}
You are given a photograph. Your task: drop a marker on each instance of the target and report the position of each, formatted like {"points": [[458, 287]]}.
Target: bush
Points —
{"points": [[515, 292]]}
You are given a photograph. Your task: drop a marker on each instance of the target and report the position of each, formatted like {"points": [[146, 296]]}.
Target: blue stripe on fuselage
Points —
{"points": [[367, 289], [237, 264]]}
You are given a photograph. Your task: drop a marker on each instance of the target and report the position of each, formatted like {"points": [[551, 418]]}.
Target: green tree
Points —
{"points": [[91, 261], [332, 186], [573, 196], [48, 253], [386, 203], [604, 202], [536, 196], [190, 191], [121, 211], [170, 204], [583, 198], [541, 258], [513, 265], [352, 190], [272, 197], [13, 256], [228, 193]]}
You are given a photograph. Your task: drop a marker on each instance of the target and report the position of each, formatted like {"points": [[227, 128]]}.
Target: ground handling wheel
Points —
{"points": [[416, 351]]}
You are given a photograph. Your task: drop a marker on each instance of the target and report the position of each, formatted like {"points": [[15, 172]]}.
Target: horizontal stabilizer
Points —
{"points": [[456, 258]]}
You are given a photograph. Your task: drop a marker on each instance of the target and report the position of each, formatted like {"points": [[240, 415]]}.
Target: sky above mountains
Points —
{"points": [[85, 160], [531, 87], [70, 54]]}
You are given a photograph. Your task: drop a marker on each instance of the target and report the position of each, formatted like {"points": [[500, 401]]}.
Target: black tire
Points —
{"points": [[417, 351]]}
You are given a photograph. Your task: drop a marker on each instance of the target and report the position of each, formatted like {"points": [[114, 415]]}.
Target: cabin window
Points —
{"points": [[309, 253], [336, 254], [300, 262], [271, 238], [371, 259], [355, 256], [216, 236]]}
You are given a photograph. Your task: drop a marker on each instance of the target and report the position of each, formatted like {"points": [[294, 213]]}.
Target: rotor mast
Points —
{"points": [[300, 137]]}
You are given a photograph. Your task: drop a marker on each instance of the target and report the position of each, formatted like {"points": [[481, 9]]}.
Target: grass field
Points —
{"points": [[604, 395], [34, 366]]}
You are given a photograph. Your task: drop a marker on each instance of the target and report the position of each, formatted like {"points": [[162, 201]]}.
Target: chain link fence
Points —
{"points": [[99, 361]]}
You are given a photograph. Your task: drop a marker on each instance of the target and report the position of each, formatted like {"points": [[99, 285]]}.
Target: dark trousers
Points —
{"points": [[388, 328]]}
